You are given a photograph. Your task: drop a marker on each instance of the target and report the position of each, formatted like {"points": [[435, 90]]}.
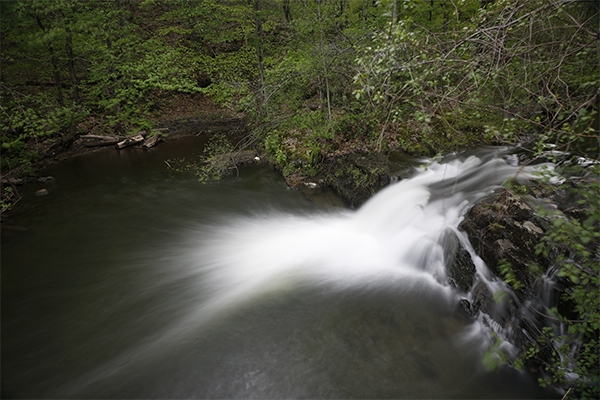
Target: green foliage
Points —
{"points": [[508, 274], [6, 201], [111, 63], [274, 149], [217, 160], [307, 135], [358, 177], [353, 124], [443, 66], [574, 339]]}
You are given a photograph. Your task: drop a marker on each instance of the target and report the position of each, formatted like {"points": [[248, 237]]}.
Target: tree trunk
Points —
{"points": [[287, 10], [71, 62], [364, 9], [324, 60], [55, 66], [151, 141], [259, 56]]}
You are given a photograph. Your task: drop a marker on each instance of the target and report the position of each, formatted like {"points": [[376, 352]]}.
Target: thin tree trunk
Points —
{"points": [[55, 67], [431, 10], [71, 61], [71, 130], [364, 7], [324, 61], [287, 10], [259, 56], [112, 68], [394, 17]]}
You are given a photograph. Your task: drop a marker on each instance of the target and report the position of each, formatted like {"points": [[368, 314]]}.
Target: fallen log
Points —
{"points": [[130, 141], [151, 141], [101, 137]]}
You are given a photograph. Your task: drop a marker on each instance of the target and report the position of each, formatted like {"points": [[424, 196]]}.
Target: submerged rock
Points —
{"points": [[46, 179]]}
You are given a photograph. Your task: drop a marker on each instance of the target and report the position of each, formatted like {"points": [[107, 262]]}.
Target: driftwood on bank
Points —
{"points": [[101, 137], [130, 141], [98, 140], [151, 141], [143, 138], [121, 142]]}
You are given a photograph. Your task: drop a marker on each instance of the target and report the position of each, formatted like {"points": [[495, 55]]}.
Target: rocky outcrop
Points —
{"points": [[505, 227], [358, 176]]}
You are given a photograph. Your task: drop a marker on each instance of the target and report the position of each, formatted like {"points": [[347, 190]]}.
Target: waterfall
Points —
{"points": [[367, 284], [395, 237]]}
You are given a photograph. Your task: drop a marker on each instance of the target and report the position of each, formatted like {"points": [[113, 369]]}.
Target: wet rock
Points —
{"points": [[459, 264], [533, 229], [465, 305], [506, 226], [482, 299], [46, 179], [42, 192]]}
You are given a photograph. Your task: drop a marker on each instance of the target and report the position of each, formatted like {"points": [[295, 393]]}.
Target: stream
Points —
{"points": [[129, 280]]}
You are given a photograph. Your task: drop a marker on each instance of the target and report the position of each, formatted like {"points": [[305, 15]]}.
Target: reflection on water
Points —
{"points": [[130, 281]]}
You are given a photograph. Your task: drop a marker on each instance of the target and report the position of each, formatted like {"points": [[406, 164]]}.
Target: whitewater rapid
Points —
{"points": [[395, 238]]}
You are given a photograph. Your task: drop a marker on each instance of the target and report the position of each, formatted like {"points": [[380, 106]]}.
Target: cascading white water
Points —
{"points": [[389, 254], [394, 237]]}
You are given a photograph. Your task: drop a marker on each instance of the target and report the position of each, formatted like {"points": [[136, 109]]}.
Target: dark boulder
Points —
{"points": [[506, 227], [357, 177], [459, 264]]}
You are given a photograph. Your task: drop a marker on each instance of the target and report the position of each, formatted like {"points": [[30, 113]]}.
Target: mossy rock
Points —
{"points": [[357, 177], [507, 227]]}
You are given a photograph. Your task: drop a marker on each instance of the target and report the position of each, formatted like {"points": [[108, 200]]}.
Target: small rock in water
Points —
{"points": [[46, 179], [42, 192], [466, 306], [15, 181]]}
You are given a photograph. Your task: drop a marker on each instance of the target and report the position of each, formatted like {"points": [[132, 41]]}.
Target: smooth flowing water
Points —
{"points": [[131, 281]]}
